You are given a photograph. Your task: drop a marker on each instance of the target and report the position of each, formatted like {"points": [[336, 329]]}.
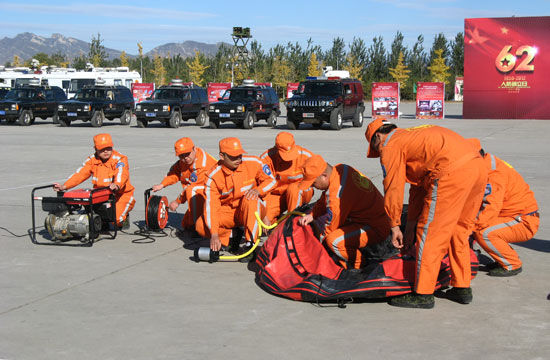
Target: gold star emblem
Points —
{"points": [[504, 30]]}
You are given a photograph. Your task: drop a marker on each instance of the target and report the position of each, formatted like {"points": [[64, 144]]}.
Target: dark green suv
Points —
{"points": [[97, 103], [244, 105], [24, 104], [170, 104]]}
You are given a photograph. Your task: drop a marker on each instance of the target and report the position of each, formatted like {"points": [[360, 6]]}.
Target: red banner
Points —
{"points": [[216, 90], [291, 87], [506, 68], [141, 91], [264, 84], [385, 100], [430, 100]]}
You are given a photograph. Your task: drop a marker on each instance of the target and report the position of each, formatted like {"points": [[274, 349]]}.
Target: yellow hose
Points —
{"points": [[260, 228]]}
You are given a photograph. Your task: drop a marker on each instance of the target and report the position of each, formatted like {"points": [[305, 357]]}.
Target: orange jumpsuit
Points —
{"points": [[447, 177], [509, 213], [351, 213], [113, 171], [226, 206], [286, 195], [192, 180]]}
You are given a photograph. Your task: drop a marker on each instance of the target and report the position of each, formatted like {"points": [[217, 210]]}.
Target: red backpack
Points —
{"points": [[294, 264]]}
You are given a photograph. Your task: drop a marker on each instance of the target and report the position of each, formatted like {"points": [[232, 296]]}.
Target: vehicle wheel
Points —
{"points": [[175, 120], [336, 119], [249, 119], [25, 119], [214, 123], [358, 117], [201, 118], [126, 117], [97, 118], [272, 120], [55, 118], [64, 122], [142, 123]]}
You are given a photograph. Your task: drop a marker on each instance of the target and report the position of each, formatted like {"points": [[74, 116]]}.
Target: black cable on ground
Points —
{"points": [[12, 234]]}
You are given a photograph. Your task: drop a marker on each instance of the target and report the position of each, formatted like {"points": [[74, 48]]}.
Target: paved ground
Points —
{"points": [[121, 300]]}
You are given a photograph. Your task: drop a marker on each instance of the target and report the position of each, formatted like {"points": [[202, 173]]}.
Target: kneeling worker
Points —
{"points": [[509, 214], [233, 192], [286, 160], [350, 213], [107, 167], [190, 170]]}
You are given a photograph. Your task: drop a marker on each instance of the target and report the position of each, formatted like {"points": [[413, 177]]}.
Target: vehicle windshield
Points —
{"points": [[88, 94], [320, 88], [22, 94], [240, 95], [166, 94]]}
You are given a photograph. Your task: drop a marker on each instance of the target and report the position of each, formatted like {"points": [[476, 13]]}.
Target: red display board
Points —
{"points": [[385, 100], [264, 84], [506, 68], [216, 90], [430, 100], [141, 91], [290, 87]]}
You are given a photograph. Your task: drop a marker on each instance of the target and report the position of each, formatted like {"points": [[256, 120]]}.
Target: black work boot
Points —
{"points": [[460, 295], [413, 300], [502, 272]]}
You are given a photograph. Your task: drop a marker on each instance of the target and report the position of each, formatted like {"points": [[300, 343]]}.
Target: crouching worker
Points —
{"points": [[108, 168], [509, 214], [350, 213], [234, 190], [286, 160], [190, 170]]}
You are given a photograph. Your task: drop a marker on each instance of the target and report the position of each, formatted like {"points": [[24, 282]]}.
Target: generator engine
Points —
{"points": [[78, 215]]}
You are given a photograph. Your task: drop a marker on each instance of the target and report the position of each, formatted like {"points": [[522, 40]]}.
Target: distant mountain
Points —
{"points": [[185, 49], [27, 44]]}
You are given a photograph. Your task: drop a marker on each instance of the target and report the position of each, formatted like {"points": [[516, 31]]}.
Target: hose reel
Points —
{"points": [[156, 211]]}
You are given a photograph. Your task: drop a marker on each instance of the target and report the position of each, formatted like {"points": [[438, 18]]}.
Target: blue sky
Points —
{"points": [[123, 23]]}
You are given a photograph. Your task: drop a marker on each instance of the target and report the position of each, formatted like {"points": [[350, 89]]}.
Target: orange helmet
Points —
{"points": [[102, 141], [183, 146]]}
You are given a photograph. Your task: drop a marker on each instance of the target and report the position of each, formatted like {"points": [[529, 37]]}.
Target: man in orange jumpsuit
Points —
{"points": [[447, 178], [509, 214], [107, 167], [233, 190], [350, 213], [190, 170], [286, 160]]}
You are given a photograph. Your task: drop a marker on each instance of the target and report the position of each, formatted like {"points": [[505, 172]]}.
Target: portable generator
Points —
{"points": [[80, 214]]}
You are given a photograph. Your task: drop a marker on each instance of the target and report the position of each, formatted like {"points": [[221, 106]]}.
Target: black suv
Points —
{"points": [[96, 103], [3, 92], [244, 105], [173, 103], [26, 103], [320, 100]]}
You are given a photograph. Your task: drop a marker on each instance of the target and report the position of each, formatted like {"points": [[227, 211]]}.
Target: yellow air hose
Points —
{"points": [[257, 239]]}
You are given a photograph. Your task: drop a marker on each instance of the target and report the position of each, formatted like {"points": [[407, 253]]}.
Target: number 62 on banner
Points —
{"points": [[505, 60]]}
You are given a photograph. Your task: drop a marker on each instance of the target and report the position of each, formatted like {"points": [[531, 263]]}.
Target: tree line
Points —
{"points": [[292, 62]]}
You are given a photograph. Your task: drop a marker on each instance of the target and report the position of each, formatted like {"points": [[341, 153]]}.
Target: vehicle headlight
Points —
{"points": [[86, 107], [138, 107], [240, 108], [166, 108], [211, 108], [330, 103], [60, 107], [15, 106]]}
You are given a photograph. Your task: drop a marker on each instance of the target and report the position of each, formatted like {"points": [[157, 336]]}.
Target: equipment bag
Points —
{"points": [[294, 264]]}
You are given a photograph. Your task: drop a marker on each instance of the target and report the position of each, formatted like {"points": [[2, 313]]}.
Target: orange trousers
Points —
{"points": [[445, 224], [495, 238], [291, 198], [346, 241], [124, 204], [194, 197], [229, 218]]}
